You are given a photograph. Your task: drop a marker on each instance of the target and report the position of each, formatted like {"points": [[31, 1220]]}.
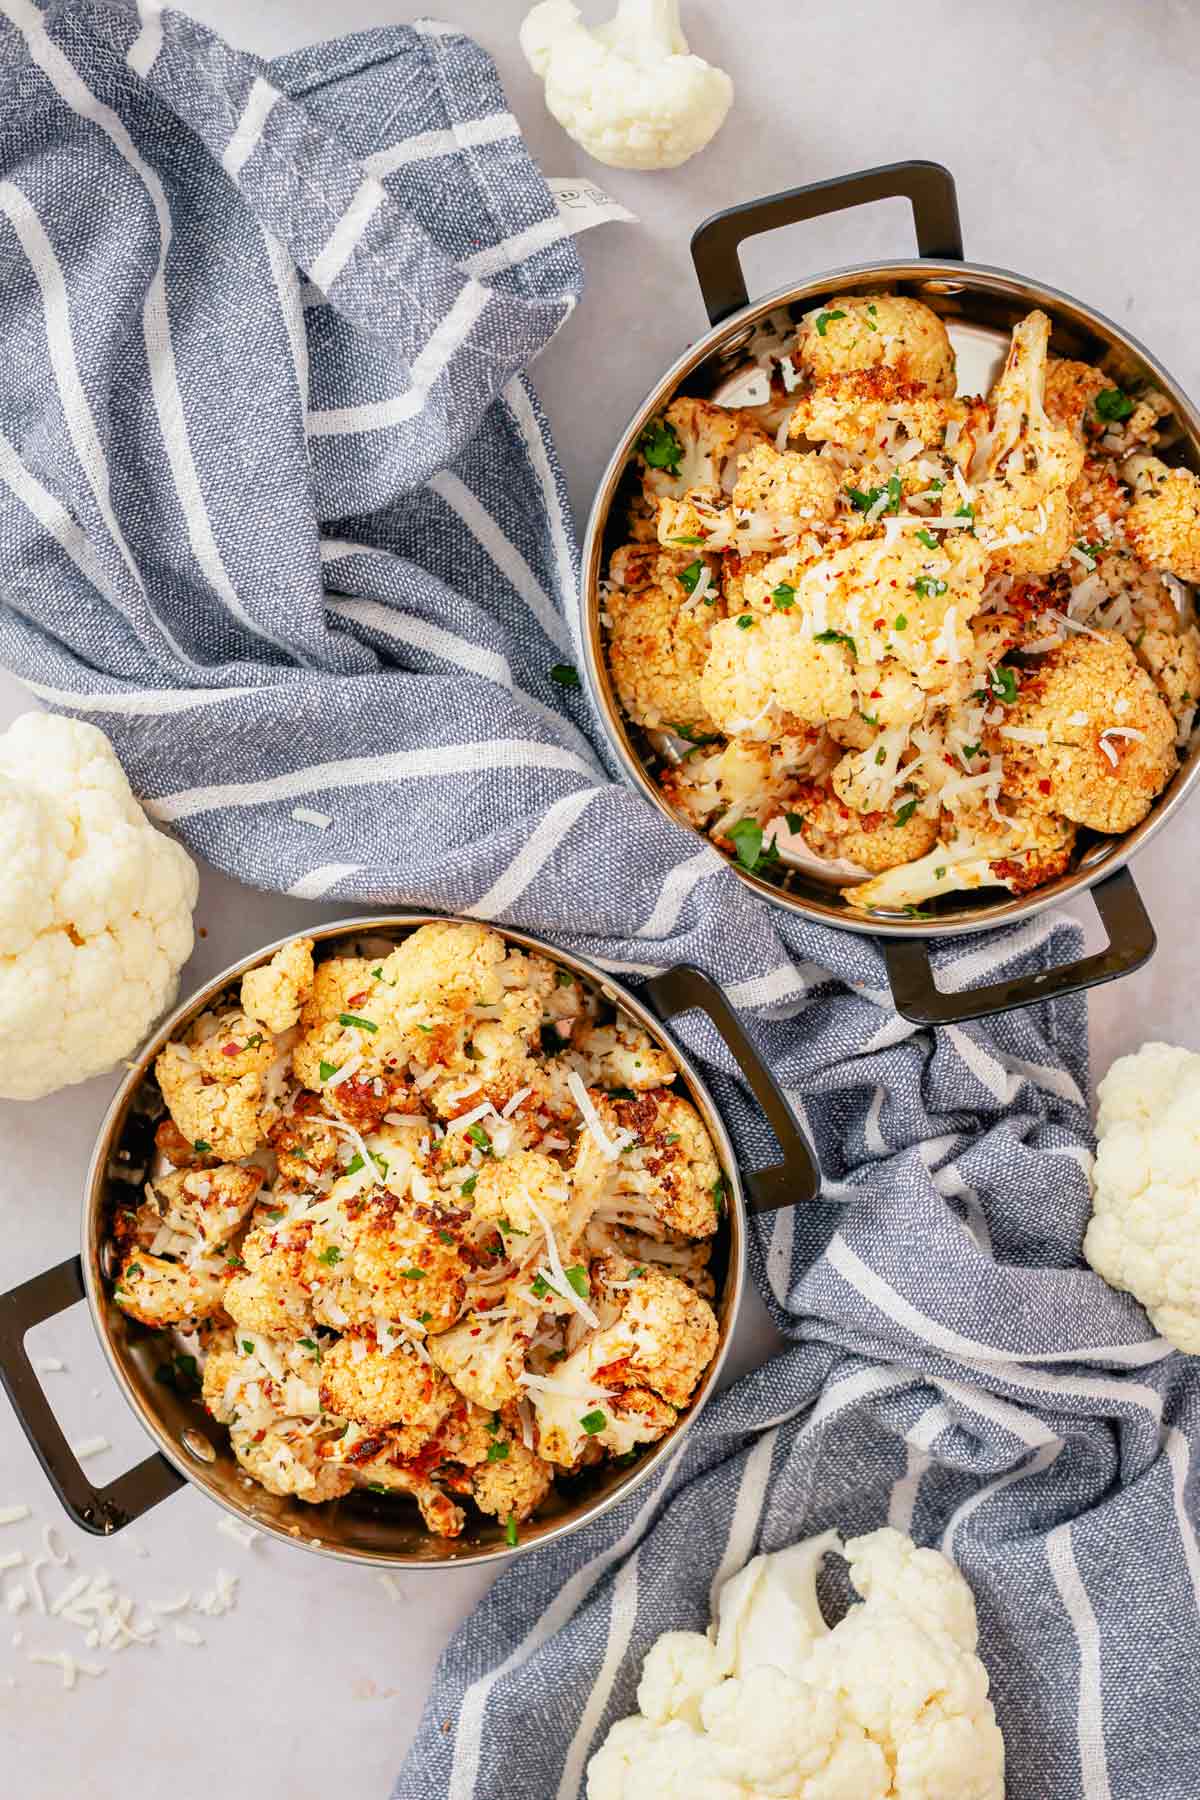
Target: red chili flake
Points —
{"points": [[878, 625], [1043, 787], [357, 999], [231, 1050]]}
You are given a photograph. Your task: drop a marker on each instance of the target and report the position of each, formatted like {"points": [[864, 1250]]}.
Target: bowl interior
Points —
{"points": [[980, 306], [362, 1526]]}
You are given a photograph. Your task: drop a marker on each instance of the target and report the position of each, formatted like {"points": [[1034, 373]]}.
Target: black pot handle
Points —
{"points": [[797, 1178], [927, 185], [1131, 942], [98, 1510]]}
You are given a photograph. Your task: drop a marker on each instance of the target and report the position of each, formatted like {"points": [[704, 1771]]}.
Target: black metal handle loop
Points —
{"points": [[1131, 943], [98, 1510], [928, 186], [797, 1178]]}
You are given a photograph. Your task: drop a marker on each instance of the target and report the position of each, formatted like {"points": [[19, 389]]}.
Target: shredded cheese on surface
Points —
{"points": [[308, 815]]}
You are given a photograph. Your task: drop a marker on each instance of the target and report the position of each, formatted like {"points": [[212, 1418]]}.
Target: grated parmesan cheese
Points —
{"points": [[241, 1534], [12, 1515], [307, 815], [186, 1634], [92, 1446], [62, 1659]]}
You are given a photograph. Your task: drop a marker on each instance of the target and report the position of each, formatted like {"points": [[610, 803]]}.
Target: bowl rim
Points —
{"points": [[1105, 859], [728, 1302]]}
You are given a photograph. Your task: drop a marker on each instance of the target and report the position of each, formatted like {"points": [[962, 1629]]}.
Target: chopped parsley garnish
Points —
{"points": [[691, 736], [672, 1137], [354, 1165], [1091, 551], [869, 718], [593, 1422], [311, 1345], [904, 813], [510, 1531], [718, 1195], [838, 637], [1113, 404], [745, 622], [355, 1019], [784, 596], [413, 1274], [793, 820], [378, 972], [330, 1256], [425, 1028], [863, 499], [1002, 684], [563, 978], [424, 1318], [447, 1237], [498, 1452], [689, 577], [914, 912], [329, 1070], [686, 540], [660, 447], [200, 1147], [480, 1139], [248, 1346], [468, 1186], [939, 872], [253, 1042], [747, 839], [936, 486], [965, 512], [825, 320], [377, 1487], [927, 538], [970, 750], [506, 1227], [880, 756], [275, 1215], [577, 1275], [895, 494], [566, 675], [930, 587], [900, 623]]}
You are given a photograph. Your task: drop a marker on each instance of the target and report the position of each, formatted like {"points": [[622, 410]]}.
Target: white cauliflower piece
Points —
{"points": [[95, 909], [274, 994], [629, 92], [1144, 1233]]}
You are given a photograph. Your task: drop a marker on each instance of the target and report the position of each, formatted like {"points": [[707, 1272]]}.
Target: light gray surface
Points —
{"points": [[1071, 131]]}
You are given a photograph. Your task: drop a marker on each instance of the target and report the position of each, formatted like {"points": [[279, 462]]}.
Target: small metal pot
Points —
{"points": [[980, 305], [361, 1527]]}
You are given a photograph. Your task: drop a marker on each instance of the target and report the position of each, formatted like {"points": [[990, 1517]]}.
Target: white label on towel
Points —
{"points": [[583, 204]]}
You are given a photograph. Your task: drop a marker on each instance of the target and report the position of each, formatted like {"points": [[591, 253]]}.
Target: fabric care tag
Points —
{"points": [[582, 204]]}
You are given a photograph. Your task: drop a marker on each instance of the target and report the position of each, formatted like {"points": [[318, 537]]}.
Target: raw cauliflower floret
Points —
{"points": [[512, 1485], [670, 1332], [1110, 737], [288, 1462], [877, 331], [782, 495], [771, 670], [874, 841], [158, 1292], [274, 994], [1163, 524], [484, 1359], [1144, 1233], [213, 1084], [95, 908], [381, 1389], [207, 1204], [657, 651]]}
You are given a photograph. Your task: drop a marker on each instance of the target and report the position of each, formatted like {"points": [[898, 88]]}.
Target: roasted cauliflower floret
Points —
{"points": [[384, 1471], [1163, 524], [877, 331], [1109, 745], [484, 1359], [670, 1331], [782, 495], [667, 1176], [513, 1483], [872, 840], [274, 994], [378, 1257], [213, 1084], [745, 780], [1029, 849], [1071, 390], [621, 1054], [258, 1380], [206, 1204], [391, 1389], [522, 1190], [307, 1151], [764, 671], [1173, 662], [657, 651], [692, 445], [271, 1294], [867, 406], [157, 1292], [289, 1462]]}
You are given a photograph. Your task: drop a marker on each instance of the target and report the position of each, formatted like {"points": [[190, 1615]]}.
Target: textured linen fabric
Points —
{"points": [[279, 511]]}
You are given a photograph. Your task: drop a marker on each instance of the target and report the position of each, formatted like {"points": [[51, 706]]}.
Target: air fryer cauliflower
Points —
{"points": [[892, 591], [1163, 524], [379, 1279], [658, 650], [1109, 737]]}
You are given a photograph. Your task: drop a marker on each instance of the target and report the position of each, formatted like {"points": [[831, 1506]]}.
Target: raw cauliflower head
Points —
{"points": [[877, 331], [95, 909], [1144, 1234]]}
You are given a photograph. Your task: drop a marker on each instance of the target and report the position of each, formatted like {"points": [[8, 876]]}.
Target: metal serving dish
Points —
{"points": [[362, 1527], [980, 305]]}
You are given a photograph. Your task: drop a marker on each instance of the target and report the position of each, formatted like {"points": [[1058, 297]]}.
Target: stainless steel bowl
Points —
{"points": [[980, 305], [362, 1527]]}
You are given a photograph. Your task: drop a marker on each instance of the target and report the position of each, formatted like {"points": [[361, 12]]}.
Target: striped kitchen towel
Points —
{"points": [[279, 510]]}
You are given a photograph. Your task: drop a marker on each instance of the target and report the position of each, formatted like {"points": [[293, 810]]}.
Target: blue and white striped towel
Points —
{"points": [[278, 509]]}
